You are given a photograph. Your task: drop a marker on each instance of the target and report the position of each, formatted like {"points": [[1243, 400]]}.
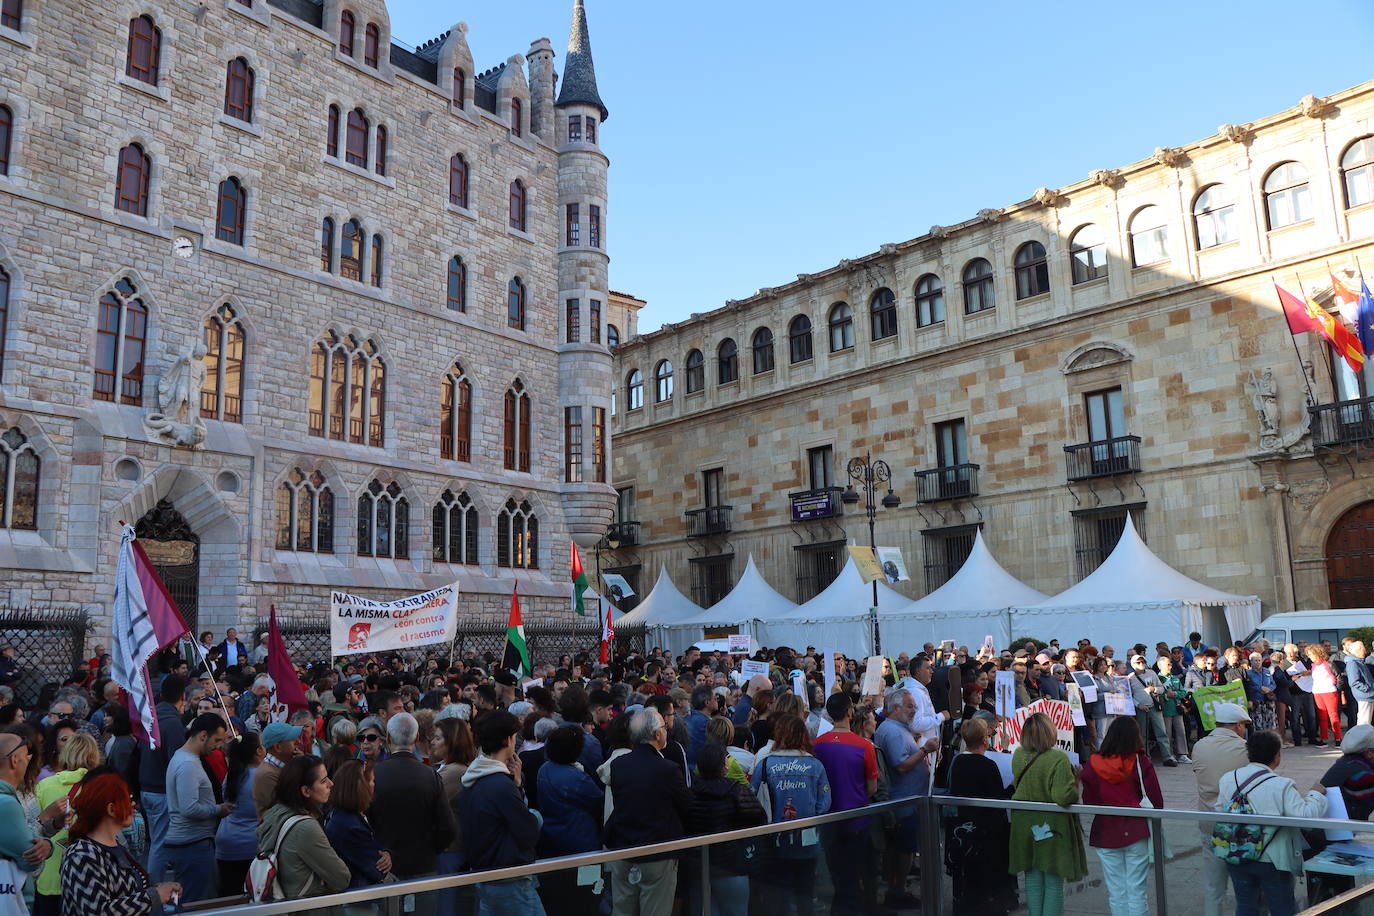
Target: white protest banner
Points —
{"points": [[738, 643], [894, 567], [359, 624], [799, 688], [1118, 700], [1059, 712], [830, 680], [1006, 694], [749, 668], [873, 677], [1087, 685]]}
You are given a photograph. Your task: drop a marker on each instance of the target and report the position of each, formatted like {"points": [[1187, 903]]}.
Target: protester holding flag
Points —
{"points": [[516, 658], [580, 585]]}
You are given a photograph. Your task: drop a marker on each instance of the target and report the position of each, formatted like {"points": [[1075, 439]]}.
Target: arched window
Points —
{"points": [[1088, 254], [351, 250], [841, 323], [120, 337], [305, 513], [1149, 237], [20, 469], [131, 183], [12, 14], [327, 245], [455, 529], [383, 521], [517, 114], [727, 362], [517, 536], [232, 207], [663, 381], [455, 416], [634, 390], [1032, 270], [517, 205], [882, 313], [612, 336], [515, 304], [372, 39], [517, 427], [457, 285], [695, 368], [460, 86], [347, 28], [1287, 199], [799, 339], [380, 166], [238, 90], [4, 316], [355, 147], [221, 397], [1212, 216], [978, 290], [762, 345], [347, 391], [458, 181], [930, 301], [6, 132], [376, 261], [1357, 172], [331, 141], [145, 50]]}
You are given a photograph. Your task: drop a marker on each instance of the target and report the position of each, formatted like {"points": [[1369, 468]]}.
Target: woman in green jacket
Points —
{"points": [[1047, 846], [77, 756], [307, 866]]}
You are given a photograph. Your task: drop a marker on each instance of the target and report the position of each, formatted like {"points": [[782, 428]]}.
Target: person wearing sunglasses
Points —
{"points": [[18, 844], [372, 740]]}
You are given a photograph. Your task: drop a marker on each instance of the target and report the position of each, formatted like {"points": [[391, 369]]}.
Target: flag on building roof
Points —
{"points": [[287, 693], [579, 582], [1364, 319], [146, 621], [517, 655]]}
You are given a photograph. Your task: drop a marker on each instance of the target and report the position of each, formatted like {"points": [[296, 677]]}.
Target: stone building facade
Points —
{"points": [[311, 309], [1037, 372]]}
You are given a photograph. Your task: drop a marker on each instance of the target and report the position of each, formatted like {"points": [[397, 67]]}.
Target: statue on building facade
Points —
{"points": [[177, 420], [1264, 396]]}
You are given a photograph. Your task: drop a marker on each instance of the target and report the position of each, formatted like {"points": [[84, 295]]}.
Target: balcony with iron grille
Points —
{"points": [[622, 534], [710, 521], [821, 503], [956, 481], [1343, 425], [1104, 458]]}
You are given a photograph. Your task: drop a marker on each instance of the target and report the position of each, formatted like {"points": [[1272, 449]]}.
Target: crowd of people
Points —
{"points": [[404, 768]]}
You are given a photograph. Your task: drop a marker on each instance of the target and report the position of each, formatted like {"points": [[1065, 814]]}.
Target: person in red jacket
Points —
{"points": [[1120, 774]]}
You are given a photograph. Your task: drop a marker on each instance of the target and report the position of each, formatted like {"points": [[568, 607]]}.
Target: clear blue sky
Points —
{"points": [[753, 140]]}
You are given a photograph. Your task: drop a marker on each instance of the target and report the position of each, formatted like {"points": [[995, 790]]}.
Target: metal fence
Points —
{"points": [[49, 644]]}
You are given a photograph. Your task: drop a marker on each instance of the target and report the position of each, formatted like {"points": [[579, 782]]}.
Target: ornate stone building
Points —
{"points": [[1037, 371], [311, 309]]}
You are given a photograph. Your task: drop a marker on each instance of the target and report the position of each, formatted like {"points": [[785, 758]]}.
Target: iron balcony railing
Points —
{"points": [[820, 503], [625, 534], [1104, 458], [955, 481], [1343, 423], [708, 521]]}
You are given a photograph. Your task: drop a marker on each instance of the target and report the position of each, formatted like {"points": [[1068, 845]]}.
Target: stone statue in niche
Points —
{"points": [[177, 420], [1264, 395]]}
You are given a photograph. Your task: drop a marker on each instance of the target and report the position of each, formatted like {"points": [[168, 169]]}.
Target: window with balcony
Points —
{"points": [[1109, 450], [953, 477], [820, 467]]}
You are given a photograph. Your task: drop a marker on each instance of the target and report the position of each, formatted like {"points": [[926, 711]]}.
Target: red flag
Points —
{"points": [[1295, 310], [1308, 316], [288, 695], [607, 635], [146, 621]]}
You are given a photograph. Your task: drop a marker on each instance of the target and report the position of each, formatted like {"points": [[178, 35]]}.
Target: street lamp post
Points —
{"points": [[871, 474]]}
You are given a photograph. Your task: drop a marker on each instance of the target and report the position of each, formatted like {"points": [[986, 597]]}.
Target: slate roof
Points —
{"points": [[579, 73]]}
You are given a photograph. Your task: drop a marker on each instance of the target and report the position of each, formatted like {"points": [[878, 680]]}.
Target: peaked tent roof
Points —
{"points": [[579, 74], [751, 597], [1132, 574], [849, 595], [980, 584], [663, 606]]}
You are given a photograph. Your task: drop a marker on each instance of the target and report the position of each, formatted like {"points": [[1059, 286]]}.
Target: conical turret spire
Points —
{"points": [[579, 74]]}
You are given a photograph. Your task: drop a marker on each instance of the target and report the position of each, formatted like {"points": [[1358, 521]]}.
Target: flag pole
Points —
{"points": [[1330, 371], [1302, 367]]}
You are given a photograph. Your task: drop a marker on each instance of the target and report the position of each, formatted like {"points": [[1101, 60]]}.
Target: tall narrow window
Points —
{"points": [[351, 250], [591, 130], [727, 362], [1106, 414], [460, 86], [594, 320], [574, 128], [1032, 270], [4, 317], [799, 339], [713, 487], [1088, 254], [517, 116], [930, 301], [820, 466], [612, 336], [694, 367], [305, 513], [951, 444], [131, 183], [572, 321], [331, 140], [348, 391], [221, 397], [145, 50], [12, 14], [517, 428], [634, 390], [663, 381], [1149, 237], [517, 205], [347, 29], [517, 536], [1213, 213], [238, 90], [372, 39], [355, 149], [458, 181], [376, 260], [327, 245], [599, 444], [882, 309], [120, 337], [6, 134], [1357, 172], [380, 166], [594, 226], [383, 521], [20, 469], [1287, 199], [573, 235], [572, 444], [455, 416], [455, 529], [762, 345], [233, 200], [841, 322], [457, 285], [515, 304], [978, 292], [376, 404]]}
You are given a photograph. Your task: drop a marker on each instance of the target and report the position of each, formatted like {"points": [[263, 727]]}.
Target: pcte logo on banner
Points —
{"points": [[357, 636]]}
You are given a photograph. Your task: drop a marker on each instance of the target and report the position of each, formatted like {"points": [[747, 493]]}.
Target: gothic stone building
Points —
{"points": [[1037, 371], [310, 309]]}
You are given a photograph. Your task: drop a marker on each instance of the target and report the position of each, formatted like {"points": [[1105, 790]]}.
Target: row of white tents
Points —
{"points": [[1132, 597]]}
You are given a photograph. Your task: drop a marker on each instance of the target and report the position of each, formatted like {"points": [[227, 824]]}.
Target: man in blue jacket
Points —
{"points": [[697, 720], [498, 830], [1360, 673], [152, 770]]}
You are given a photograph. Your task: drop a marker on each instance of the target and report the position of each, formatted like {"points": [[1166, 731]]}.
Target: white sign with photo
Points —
{"points": [[894, 567]]}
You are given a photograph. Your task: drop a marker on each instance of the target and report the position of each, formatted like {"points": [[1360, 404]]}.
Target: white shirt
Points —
{"points": [[925, 724], [233, 653]]}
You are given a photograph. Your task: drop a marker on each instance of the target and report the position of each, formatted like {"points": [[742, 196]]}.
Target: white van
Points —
{"points": [[1311, 626]]}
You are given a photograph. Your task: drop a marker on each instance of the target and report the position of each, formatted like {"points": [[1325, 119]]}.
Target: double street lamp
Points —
{"points": [[871, 475]]}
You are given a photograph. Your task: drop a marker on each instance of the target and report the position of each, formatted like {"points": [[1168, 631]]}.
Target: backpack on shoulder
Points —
{"points": [[1236, 844], [262, 884]]}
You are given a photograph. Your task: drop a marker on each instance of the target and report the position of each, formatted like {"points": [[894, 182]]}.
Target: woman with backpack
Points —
{"points": [[796, 786], [292, 836], [720, 803], [1120, 774], [236, 840], [1046, 846]]}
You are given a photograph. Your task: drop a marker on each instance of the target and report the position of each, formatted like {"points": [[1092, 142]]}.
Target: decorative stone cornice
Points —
{"points": [[804, 278], [846, 264], [1169, 156], [888, 248], [938, 232], [1108, 178], [1236, 133], [1048, 197], [1315, 106], [991, 214]]}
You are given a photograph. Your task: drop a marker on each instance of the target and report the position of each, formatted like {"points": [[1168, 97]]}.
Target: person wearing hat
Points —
{"points": [[1221, 752], [1354, 772], [280, 741]]}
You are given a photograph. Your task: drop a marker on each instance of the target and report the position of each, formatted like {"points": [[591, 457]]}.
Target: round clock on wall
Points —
{"points": [[183, 247]]}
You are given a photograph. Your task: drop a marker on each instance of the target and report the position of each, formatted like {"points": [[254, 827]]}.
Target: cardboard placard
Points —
{"points": [[738, 643], [866, 562], [1005, 694], [1087, 685], [1076, 703], [799, 688], [1119, 701], [1209, 698], [749, 668], [873, 677], [893, 566]]}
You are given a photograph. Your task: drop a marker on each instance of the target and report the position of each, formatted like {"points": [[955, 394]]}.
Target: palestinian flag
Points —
{"points": [[517, 655], [579, 581]]}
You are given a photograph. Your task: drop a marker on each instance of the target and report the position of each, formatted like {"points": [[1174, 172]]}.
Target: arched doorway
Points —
{"points": [[174, 550], [1350, 558]]}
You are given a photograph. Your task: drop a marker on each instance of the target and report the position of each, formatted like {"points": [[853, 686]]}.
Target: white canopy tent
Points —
{"points": [[751, 597], [662, 607], [1134, 596], [837, 618]]}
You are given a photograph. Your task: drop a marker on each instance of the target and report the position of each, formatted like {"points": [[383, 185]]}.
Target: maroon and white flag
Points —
{"points": [[146, 621]]}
